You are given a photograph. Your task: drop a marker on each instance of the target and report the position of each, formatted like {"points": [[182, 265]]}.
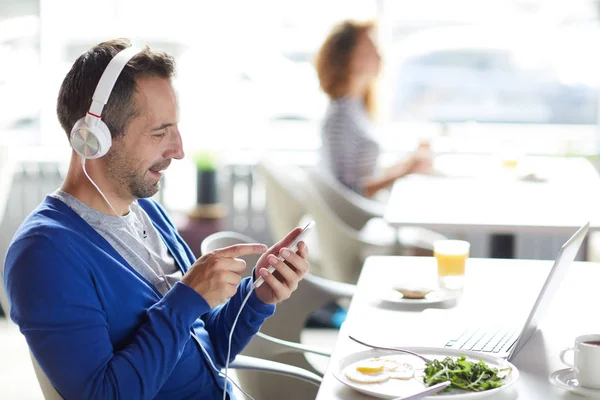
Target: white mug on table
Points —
{"points": [[586, 360]]}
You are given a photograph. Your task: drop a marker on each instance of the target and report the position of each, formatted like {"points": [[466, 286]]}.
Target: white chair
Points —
{"points": [[342, 247], [48, 390], [284, 199], [279, 336], [4, 305], [7, 226], [286, 207], [365, 214], [354, 209], [303, 378]]}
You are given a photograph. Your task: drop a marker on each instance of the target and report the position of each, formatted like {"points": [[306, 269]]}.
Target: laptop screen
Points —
{"points": [[565, 257]]}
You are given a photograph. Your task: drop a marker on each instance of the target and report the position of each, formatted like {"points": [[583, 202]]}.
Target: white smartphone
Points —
{"points": [[293, 247]]}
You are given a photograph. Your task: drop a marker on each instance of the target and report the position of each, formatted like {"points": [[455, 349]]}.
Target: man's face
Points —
{"points": [[136, 161]]}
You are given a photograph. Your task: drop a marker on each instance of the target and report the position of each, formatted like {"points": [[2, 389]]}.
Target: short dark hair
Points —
{"points": [[77, 89]]}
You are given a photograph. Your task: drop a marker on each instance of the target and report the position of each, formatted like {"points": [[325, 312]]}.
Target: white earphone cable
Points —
{"points": [[97, 188], [225, 376], [160, 270], [230, 338], [222, 374]]}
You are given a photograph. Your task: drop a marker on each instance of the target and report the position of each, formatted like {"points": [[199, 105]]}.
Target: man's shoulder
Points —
{"points": [[52, 221]]}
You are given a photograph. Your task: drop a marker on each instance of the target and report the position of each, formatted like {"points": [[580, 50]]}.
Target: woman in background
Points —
{"points": [[348, 65]]}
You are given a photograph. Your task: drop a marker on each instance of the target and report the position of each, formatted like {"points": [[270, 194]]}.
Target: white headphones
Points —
{"points": [[90, 136]]}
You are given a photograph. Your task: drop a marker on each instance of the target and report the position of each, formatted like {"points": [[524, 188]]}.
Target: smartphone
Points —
{"points": [[292, 246]]}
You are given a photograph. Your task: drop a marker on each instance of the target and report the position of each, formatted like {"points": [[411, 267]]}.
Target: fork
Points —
{"points": [[425, 392], [399, 349]]}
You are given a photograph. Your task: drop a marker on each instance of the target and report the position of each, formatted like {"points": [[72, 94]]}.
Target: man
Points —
{"points": [[109, 297]]}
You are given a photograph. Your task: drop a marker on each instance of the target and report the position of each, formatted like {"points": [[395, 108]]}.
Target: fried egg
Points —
{"points": [[370, 366], [388, 363], [378, 370], [403, 371], [359, 377]]}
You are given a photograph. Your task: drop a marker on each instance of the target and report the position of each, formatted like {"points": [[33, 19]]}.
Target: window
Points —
{"points": [[246, 80], [509, 64], [19, 73], [484, 82], [245, 73]]}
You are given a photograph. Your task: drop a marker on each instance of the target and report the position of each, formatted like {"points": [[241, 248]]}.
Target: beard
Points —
{"points": [[123, 169]]}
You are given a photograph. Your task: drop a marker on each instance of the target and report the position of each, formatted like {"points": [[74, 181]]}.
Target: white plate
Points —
{"points": [[395, 388], [436, 297], [565, 379]]}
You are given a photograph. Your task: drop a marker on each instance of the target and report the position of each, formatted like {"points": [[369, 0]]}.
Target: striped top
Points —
{"points": [[349, 151]]}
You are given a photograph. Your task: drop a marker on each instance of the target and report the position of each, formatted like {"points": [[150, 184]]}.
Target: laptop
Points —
{"points": [[507, 341]]}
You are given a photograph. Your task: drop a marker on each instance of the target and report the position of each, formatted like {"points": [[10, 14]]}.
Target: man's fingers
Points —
{"points": [[236, 265], [281, 291], [288, 274], [239, 250], [232, 278], [295, 261], [303, 250]]}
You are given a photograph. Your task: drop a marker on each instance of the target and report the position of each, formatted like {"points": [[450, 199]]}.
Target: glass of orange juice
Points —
{"points": [[451, 258]]}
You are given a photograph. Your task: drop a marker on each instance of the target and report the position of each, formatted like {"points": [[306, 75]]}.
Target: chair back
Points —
{"points": [[48, 390], [285, 200], [286, 205], [340, 246], [241, 363], [354, 209]]}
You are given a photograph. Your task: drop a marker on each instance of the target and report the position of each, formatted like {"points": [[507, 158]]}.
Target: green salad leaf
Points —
{"points": [[464, 374]]}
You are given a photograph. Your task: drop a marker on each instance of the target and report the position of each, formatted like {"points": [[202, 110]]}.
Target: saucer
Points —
{"points": [[565, 379], [435, 297]]}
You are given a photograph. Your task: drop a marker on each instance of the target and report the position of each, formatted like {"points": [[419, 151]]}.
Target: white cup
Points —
{"points": [[587, 360]]}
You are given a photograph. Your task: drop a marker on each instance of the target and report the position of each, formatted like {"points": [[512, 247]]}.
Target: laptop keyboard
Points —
{"points": [[485, 340]]}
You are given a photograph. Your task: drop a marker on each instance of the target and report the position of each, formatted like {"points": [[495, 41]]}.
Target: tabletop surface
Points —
{"points": [[508, 287], [477, 193]]}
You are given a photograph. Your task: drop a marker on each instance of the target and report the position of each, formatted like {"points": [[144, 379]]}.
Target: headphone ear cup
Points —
{"points": [[90, 141]]}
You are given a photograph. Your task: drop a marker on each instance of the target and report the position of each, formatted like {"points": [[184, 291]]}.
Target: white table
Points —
{"points": [[504, 284], [493, 200]]}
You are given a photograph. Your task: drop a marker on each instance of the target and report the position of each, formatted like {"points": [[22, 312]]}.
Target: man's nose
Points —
{"points": [[175, 149]]}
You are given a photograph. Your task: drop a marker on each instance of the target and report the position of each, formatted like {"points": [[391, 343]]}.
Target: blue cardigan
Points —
{"points": [[99, 330]]}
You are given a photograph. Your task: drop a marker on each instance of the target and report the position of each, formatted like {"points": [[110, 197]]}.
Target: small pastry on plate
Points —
{"points": [[412, 291]]}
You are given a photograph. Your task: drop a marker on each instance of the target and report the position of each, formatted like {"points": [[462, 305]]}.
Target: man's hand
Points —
{"points": [[280, 284], [216, 275]]}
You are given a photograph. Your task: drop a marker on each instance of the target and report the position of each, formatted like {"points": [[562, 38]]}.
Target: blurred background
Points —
{"points": [[527, 63], [493, 77], [490, 78], [500, 76]]}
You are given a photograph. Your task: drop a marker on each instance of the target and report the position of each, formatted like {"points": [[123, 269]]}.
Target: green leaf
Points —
{"points": [[463, 374]]}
